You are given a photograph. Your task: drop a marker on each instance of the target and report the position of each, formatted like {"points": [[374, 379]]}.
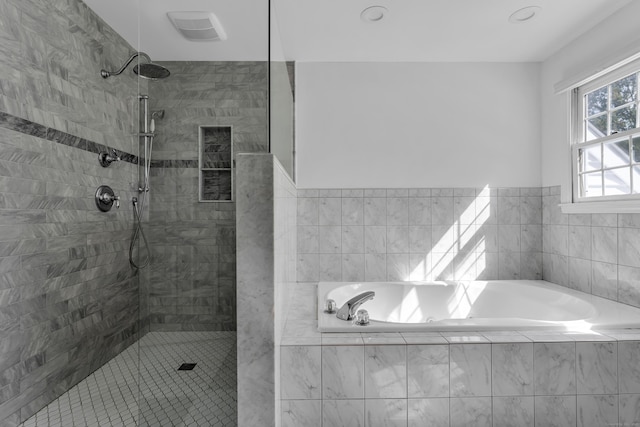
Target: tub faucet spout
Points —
{"points": [[348, 310]]}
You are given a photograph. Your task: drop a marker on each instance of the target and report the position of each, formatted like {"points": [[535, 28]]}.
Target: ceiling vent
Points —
{"points": [[198, 26]]}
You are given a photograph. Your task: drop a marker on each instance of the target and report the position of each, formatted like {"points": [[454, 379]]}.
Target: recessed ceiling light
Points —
{"points": [[373, 14], [525, 14]]}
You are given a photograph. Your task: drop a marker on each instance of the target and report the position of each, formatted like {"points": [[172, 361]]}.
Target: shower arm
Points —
{"points": [[105, 73]]}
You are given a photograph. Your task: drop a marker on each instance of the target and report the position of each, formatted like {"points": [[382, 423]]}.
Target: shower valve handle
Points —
{"points": [[106, 159], [105, 198], [116, 156]]}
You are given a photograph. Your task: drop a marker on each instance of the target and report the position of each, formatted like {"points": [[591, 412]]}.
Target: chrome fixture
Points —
{"points": [[105, 198], [330, 306], [362, 317], [348, 310], [147, 70], [106, 159], [147, 131]]}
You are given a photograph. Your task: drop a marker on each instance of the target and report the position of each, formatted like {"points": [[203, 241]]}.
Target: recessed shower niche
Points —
{"points": [[216, 163]]}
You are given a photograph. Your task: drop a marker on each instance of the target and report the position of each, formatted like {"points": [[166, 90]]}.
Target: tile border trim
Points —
{"points": [[28, 127]]}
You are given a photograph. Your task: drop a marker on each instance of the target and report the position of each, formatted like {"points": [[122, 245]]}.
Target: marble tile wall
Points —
{"points": [[68, 299], [495, 378], [266, 244], [284, 248], [419, 234], [593, 253], [192, 283]]}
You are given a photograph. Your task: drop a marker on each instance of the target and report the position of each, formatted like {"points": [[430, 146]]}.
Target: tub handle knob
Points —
{"points": [[362, 317], [330, 306]]}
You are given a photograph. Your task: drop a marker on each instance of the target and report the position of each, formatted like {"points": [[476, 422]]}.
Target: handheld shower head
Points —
{"points": [[147, 70]]}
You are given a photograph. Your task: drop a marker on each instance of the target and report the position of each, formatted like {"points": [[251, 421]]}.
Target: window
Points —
{"points": [[606, 150]]}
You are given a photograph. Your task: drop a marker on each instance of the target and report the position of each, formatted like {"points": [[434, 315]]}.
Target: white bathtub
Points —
{"points": [[473, 306]]}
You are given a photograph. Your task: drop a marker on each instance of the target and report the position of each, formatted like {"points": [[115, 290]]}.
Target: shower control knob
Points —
{"points": [[105, 198], [362, 317], [106, 159]]}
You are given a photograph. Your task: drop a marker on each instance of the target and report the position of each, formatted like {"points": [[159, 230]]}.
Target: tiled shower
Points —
{"points": [[192, 279], [71, 307], [69, 299]]}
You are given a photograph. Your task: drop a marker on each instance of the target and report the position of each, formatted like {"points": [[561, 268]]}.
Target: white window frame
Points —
{"points": [[604, 204]]}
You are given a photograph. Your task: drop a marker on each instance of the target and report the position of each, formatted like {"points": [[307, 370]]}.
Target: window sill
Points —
{"points": [[618, 206]]}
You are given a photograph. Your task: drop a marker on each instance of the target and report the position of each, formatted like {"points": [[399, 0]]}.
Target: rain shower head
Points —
{"points": [[151, 71], [147, 70]]}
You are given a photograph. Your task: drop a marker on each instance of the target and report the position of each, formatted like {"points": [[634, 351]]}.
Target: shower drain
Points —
{"points": [[187, 367]]}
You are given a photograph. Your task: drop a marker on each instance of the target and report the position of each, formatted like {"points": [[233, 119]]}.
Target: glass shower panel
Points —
{"points": [[281, 102], [211, 108]]}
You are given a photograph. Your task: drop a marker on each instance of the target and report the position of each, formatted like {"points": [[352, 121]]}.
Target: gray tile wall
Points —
{"points": [[68, 299], [419, 234], [192, 283], [594, 253]]}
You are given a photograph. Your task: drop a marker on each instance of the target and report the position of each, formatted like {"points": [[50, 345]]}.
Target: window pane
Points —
{"points": [[636, 149], [623, 119], [590, 158], [636, 179], [596, 127], [616, 153], [624, 91], [617, 181], [597, 101], [591, 184]]}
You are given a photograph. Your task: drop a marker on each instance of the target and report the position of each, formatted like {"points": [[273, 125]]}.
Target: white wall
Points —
{"points": [[587, 52], [369, 125]]}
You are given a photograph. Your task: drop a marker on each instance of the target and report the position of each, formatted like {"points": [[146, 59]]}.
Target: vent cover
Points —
{"points": [[198, 26]]}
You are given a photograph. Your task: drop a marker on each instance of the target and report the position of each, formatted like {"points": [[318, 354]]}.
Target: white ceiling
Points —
{"points": [[244, 21], [331, 30]]}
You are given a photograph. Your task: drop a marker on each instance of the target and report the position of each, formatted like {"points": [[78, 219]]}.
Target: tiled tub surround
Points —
{"points": [[451, 380], [192, 283], [440, 234], [68, 299], [499, 378], [419, 234], [593, 253]]}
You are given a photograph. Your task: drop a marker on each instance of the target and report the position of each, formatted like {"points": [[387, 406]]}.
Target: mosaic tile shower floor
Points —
{"points": [[205, 396]]}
